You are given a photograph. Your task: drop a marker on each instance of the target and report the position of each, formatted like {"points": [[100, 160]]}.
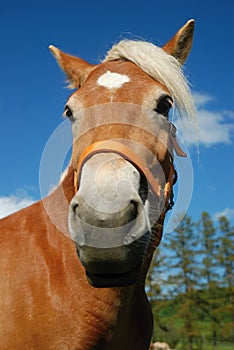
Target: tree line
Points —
{"points": [[191, 284]]}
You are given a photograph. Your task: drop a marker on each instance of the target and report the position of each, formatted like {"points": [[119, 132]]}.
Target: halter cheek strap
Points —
{"points": [[175, 145], [125, 152]]}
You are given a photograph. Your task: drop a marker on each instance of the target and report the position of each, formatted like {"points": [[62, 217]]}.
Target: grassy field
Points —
{"points": [[169, 326], [220, 346]]}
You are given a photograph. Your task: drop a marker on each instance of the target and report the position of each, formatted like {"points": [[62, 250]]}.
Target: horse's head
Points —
{"points": [[123, 152]]}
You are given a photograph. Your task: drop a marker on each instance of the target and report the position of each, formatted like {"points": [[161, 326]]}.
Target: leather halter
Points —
{"points": [[109, 146]]}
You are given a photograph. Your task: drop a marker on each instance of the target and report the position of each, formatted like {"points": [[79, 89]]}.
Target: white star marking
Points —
{"points": [[112, 80]]}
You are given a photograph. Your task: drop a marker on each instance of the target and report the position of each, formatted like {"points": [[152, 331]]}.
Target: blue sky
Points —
{"points": [[33, 93]]}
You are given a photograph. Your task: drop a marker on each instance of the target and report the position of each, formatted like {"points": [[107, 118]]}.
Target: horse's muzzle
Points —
{"points": [[109, 215], [105, 219], [107, 229], [110, 245]]}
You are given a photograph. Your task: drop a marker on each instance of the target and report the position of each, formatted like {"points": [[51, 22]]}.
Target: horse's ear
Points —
{"points": [[180, 45], [76, 69]]}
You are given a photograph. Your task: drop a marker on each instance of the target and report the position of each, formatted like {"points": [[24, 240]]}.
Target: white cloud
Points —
{"points": [[201, 99], [228, 212], [213, 127], [13, 203]]}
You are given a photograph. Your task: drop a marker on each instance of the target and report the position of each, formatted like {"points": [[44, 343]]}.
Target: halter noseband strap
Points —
{"points": [[110, 146]]}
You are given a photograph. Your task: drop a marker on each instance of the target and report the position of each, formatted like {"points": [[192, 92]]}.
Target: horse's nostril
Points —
{"points": [[134, 209], [75, 207]]}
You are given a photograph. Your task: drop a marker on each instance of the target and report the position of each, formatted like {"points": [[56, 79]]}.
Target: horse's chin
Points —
{"points": [[114, 267], [115, 279]]}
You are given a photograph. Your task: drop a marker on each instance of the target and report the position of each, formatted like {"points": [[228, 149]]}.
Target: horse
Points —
{"points": [[74, 264]]}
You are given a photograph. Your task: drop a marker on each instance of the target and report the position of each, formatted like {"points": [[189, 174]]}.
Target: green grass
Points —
{"points": [[220, 346]]}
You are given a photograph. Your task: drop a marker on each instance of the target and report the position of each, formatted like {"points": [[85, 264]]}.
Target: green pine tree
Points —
{"points": [[226, 261], [161, 303], [182, 279], [209, 298]]}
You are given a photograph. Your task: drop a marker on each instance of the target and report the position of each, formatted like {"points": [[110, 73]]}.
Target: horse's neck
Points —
{"points": [[134, 322]]}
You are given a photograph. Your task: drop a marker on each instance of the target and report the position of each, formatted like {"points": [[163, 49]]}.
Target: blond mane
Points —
{"points": [[160, 66]]}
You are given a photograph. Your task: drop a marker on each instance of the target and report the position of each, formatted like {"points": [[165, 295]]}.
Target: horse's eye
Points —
{"points": [[164, 106], [67, 112]]}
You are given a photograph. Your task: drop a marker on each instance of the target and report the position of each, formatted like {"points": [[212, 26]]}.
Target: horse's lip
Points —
{"points": [[114, 280]]}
